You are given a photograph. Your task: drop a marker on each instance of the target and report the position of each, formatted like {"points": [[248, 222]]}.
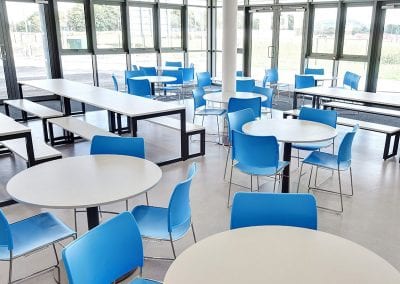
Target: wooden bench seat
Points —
{"points": [[362, 108], [42, 151], [191, 129], [37, 110], [73, 125], [390, 131]]}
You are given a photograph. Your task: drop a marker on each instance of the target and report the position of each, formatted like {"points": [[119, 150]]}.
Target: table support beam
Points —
{"points": [[287, 153], [93, 217]]}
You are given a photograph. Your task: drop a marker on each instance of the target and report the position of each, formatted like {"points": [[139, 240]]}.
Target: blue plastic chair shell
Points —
{"points": [[268, 92], [129, 146], [351, 80], [173, 63], [198, 99], [271, 76], [203, 79], [187, 74], [178, 74], [344, 152], [273, 209], [149, 71], [236, 104], [239, 73], [131, 74], [245, 85], [141, 88], [304, 81], [314, 71], [237, 119], [115, 82], [328, 117], [105, 253], [134, 67]]}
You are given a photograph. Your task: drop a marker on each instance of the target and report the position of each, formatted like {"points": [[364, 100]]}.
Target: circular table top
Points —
{"points": [[218, 98], [84, 181], [155, 79], [279, 255], [290, 130]]}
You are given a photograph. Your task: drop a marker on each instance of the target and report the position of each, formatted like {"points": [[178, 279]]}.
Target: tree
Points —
{"points": [[30, 24], [107, 18], [76, 19]]}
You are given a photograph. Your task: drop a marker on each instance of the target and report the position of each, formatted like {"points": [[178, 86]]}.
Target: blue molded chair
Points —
{"points": [[134, 67], [236, 120], [114, 145], [106, 253], [204, 81], [131, 74], [239, 73], [25, 237], [273, 209], [141, 88], [266, 106], [339, 162], [314, 71], [304, 81], [115, 82], [173, 63], [328, 117], [175, 86], [351, 80], [255, 156], [200, 107], [187, 74], [245, 85], [236, 104], [271, 79], [149, 71], [170, 223]]}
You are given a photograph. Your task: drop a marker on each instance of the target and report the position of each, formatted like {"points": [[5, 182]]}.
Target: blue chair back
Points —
{"points": [[198, 99], [271, 76], [203, 79], [236, 104], [149, 71], [141, 88], [178, 74], [187, 74], [303, 81], [273, 209], [237, 119], [239, 73], [314, 71], [268, 92], [179, 211], [173, 63], [105, 253], [328, 117], [245, 85], [255, 151], [351, 80], [344, 153], [108, 145], [134, 67], [131, 74], [6, 239], [115, 82]]}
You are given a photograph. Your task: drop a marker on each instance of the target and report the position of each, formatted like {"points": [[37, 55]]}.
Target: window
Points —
{"points": [[197, 28], [141, 27], [240, 27], [171, 29], [78, 68], [356, 37], [167, 56], [325, 64], [239, 63], [324, 30], [108, 65], [108, 26], [144, 59], [29, 44], [197, 2], [199, 60], [360, 68], [72, 25], [172, 1]]}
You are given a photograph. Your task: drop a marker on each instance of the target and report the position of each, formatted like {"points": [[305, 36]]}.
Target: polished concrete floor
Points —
{"points": [[371, 218]]}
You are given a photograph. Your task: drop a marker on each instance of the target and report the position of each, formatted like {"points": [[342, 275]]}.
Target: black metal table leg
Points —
{"points": [[153, 90], [133, 126], [287, 153], [67, 106], [92, 217], [294, 105], [184, 137], [21, 94], [29, 149]]}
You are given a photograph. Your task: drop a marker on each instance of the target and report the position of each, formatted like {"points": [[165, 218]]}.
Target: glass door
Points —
{"points": [[290, 44], [262, 51], [389, 67], [3, 86]]}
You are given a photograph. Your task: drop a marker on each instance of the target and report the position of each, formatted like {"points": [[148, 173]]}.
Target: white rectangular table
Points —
{"points": [[134, 107], [378, 99]]}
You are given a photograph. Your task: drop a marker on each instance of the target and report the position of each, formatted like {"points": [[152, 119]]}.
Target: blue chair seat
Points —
{"points": [[144, 281], [326, 160], [268, 171], [313, 146], [211, 111], [153, 223], [35, 232]]}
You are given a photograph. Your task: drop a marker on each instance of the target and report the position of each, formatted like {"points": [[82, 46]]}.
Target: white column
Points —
{"points": [[229, 39]]}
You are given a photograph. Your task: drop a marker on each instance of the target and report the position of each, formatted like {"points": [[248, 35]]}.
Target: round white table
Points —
{"points": [[84, 182], [279, 255], [155, 79], [218, 98], [290, 131]]}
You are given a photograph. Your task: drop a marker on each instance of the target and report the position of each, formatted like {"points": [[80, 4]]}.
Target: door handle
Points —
{"points": [[270, 51]]}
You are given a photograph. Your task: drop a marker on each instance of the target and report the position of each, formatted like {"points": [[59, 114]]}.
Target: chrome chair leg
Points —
{"points": [[298, 183], [127, 204], [219, 136], [202, 121], [315, 179], [147, 198], [226, 162], [340, 192], [75, 221], [230, 184], [10, 269], [309, 180], [58, 264], [251, 183], [194, 234], [172, 245], [351, 181], [274, 182], [258, 183]]}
